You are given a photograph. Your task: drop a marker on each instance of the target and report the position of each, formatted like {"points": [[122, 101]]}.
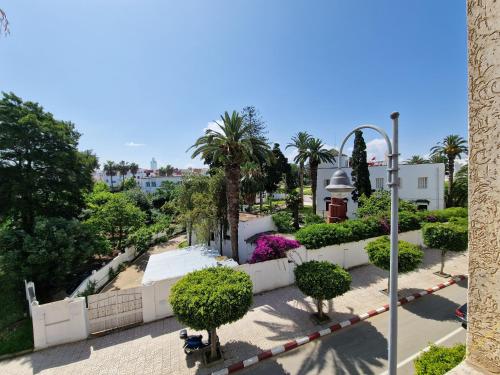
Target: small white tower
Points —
{"points": [[154, 164]]}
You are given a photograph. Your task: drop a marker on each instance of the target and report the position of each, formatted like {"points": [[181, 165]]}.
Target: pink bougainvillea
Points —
{"points": [[272, 247]]}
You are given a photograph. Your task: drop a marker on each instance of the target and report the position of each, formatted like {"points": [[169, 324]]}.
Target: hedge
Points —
{"points": [[284, 222], [438, 360], [409, 255]]}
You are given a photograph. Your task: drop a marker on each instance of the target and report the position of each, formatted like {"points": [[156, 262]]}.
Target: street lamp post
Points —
{"points": [[340, 185]]}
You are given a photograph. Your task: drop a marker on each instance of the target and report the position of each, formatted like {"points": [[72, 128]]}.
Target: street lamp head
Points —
{"points": [[340, 183]]}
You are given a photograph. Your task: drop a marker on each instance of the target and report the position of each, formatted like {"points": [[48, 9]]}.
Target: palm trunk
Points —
{"points": [[443, 255], [213, 344], [301, 183], [233, 193], [314, 183]]}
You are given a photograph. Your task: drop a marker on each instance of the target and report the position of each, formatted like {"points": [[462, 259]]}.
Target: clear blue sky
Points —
{"points": [[155, 73]]}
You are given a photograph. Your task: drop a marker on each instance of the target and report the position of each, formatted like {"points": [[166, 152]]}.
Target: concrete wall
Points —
{"points": [[409, 190], [59, 322], [483, 338]]}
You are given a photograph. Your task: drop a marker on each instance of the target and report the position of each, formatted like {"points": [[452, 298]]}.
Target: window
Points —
{"points": [[422, 182], [379, 183], [326, 182], [153, 183], [148, 184]]}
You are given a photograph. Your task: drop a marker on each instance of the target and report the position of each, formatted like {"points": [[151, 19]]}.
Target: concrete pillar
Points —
{"points": [[483, 338]]}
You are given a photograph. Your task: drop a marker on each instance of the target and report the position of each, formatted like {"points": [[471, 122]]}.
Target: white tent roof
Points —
{"points": [[177, 263]]}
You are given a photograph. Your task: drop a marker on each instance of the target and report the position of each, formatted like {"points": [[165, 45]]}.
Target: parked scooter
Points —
{"points": [[193, 343]]}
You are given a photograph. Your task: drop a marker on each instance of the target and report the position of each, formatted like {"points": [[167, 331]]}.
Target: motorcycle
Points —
{"points": [[193, 343]]}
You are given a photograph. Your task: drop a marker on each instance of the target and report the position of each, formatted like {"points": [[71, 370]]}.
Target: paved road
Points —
{"points": [[361, 349]]}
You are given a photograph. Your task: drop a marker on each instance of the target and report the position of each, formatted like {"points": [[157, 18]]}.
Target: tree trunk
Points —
{"points": [[213, 344], [190, 233], [233, 193], [388, 284], [261, 202], [319, 303], [111, 183], [301, 183], [451, 171], [443, 255], [221, 236], [314, 184]]}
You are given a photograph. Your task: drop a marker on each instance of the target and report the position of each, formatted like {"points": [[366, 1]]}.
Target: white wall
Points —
{"points": [[409, 190], [59, 322]]}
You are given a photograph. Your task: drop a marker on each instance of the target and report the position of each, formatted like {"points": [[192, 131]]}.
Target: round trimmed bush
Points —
{"points": [[322, 281], [438, 360], [445, 237], [209, 298]]}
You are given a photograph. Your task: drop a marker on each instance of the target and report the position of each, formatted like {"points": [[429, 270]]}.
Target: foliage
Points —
{"points": [[50, 254], [459, 195], [275, 169], [409, 255], [379, 203], [42, 173], [300, 141], [408, 221], [360, 173], [138, 198], [167, 192], [130, 183], [322, 280], [251, 182], [270, 247], [293, 204], [446, 236], [319, 235], [313, 219], [284, 222], [91, 288], [443, 215], [439, 360]]}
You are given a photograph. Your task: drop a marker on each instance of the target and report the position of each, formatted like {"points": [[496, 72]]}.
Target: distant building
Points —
{"points": [[154, 164], [422, 184]]}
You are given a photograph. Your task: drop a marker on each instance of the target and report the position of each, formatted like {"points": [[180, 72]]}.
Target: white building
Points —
{"points": [[422, 184], [148, 180]]}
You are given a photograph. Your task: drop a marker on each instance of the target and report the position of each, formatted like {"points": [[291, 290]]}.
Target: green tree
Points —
{"points": [[230, 146], [410, 256], [360, 173], [251, 183], [130, 183], [293, 204], [116, 219], [379, 204], [452, 147], [315, 154], [460, 188], [445, 237], [162, 172], [167, 192], [300, 141], [207, 299], [416, 159], [169, 170], [42, 173], [251, 117], [123, 168], [217, 188], [134, 168], [322, 281], [110, 169]]}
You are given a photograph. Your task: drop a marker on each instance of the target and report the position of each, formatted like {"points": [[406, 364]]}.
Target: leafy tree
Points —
{"points": [[209, 298], [138, 198], [117, 218], [110, 169], [167, 192], [379, 203], [252, 182], [130, 184], [300, 142], [416, 159], [360, 173], [315, 154], [230, 146], [452, 147], [134, 168], [409, 255], [293, 204], [252, 118], [322, 281], [42, 173], [446, 237], [439, 360], [218, 192], [51, 254]]}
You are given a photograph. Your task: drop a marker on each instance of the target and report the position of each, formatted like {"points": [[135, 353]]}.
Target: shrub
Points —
{"points": [[272, 247], [438, 360], [409, 255], [284, 222], [319, 235], [209, 298], [359, 229], [313, 219], [462, 221], [446, 237], [444, 215], [408, 221], [380, 203], [322, 281]]}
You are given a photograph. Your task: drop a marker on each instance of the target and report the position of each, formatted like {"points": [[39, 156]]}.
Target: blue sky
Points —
{"points": [[143, 78]]}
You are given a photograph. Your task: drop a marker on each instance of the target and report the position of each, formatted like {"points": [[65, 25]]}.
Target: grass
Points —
{"points": [[307, 190], [16, 332]]}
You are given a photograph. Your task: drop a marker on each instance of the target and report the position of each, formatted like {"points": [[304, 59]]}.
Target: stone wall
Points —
{"points": [[483, 339]]}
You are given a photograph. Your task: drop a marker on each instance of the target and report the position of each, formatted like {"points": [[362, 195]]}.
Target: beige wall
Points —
{"points": [[483, 340]]}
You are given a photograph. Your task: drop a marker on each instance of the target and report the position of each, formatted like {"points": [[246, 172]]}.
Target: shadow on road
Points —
{"points": [[432, 306]]}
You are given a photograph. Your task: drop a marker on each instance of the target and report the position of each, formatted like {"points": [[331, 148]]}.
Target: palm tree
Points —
{"points": [[251, 182], [134, 168], [169, 170], [453, 146], [231, 145], [110, 170], [123, 168], [300, 142], [162, 172], [416, 159], [315, 154]]}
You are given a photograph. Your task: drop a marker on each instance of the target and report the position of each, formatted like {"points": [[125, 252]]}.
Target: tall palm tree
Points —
{"points": [[123, 168], [169, 170], [416, 159], [231, 145], [315, 154], [300, 142], [110, 170], [134, 168], [453, 146]]}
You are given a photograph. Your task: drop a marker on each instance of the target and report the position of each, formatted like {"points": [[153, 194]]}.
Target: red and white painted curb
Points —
{"points": [[334, 328]]}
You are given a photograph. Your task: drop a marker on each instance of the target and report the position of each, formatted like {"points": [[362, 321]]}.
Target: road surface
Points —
{"points": [[361, 349]]}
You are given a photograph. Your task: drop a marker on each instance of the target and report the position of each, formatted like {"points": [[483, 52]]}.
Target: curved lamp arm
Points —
{"points": [[367, 126]]}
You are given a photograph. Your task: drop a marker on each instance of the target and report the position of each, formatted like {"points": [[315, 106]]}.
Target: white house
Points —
{"points": [[422, 184]]}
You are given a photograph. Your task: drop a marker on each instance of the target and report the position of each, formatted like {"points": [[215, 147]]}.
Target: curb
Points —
{"points": [[334, 328]]}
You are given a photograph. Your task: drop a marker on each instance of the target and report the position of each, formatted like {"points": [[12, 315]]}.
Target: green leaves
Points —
{"points": [[446, 236], [409, 255], [209, 298], [322, 280], [439, 360]]}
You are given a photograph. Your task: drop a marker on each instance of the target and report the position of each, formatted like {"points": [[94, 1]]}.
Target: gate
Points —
{"points": [[114, 309]]}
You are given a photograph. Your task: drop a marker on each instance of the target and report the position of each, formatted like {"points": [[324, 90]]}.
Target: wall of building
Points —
{"points": [[483, 338], [409, 185]]}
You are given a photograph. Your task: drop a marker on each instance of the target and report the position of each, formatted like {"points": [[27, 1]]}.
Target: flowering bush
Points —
{"points": [[272, 247]]}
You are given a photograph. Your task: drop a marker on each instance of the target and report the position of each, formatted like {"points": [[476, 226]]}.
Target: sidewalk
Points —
{"points": [[275, 318]]}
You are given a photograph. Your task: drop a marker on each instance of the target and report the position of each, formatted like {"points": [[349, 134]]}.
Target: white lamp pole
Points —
{"points": [[339, 183]]}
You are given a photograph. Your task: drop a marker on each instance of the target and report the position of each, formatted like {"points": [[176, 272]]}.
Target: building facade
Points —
{"points": [[148, 180], [422, 184]]}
